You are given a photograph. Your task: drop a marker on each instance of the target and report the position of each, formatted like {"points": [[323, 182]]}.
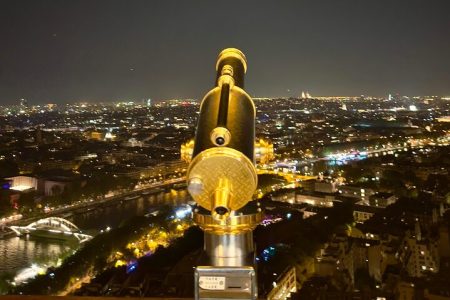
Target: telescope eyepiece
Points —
{"points": [[221, 210], [220, 141], [220, 136]]}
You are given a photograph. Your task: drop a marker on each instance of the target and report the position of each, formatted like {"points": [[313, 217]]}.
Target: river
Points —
{"points": [[18, 253]]}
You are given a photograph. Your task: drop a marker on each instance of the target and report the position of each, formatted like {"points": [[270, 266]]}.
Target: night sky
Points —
{"points": [[69, 51]]}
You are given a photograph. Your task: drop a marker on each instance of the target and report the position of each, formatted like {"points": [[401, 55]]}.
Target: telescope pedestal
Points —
{"points": [[230, 253], [230, 250]]}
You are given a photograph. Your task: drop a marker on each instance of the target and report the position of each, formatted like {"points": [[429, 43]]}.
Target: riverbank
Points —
{"points": [[89, 204]]}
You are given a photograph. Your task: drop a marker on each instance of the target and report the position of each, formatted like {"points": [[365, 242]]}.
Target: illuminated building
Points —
{"points": [[95, 135], [382, 199], [335, 259], [356, 192], [362, 213], [29, 166], [329, 187], [284, 286], [422, 254], [263, 151], [133, 142], [187, 150], [369, 255], [413, 108], [315, 199], [109, 136], [445, 119], [23, 183], [56, 186]]}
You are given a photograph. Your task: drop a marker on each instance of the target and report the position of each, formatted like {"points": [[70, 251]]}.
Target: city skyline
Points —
{"points": [[375, 167], [84, 51], [136, 162]]}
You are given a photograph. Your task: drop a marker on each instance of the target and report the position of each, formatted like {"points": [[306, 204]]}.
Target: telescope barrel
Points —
{"points": [[229, 107]]}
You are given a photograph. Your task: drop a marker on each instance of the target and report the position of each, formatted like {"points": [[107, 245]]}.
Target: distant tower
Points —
{"points": [[308, 96], [390, 97], [303, 95], [149, 102]]}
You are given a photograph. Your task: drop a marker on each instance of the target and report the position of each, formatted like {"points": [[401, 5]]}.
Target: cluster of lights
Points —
{"points": [[155, 237], [269, 221], [267, 254]]}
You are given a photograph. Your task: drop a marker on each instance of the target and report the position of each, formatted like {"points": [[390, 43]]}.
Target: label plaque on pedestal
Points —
{"points": [[225, 283]]}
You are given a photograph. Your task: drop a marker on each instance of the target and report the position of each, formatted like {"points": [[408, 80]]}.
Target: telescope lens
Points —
{"points": [[220, 141]]}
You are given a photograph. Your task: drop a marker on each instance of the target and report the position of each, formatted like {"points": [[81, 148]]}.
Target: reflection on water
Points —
{"points": [[116, 213], [321, 166], [17, 253]]}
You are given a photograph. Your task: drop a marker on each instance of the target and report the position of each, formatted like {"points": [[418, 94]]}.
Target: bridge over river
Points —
{"points": [[52, 227]]}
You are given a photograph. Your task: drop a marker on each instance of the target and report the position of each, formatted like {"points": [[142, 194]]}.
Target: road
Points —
{"points": [[59, 212]]}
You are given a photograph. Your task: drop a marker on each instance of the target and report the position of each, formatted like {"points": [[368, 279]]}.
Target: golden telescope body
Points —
{"points": [[222, 180], [222, 176]]}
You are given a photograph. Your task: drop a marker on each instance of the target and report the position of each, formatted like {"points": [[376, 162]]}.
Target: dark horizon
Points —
{"points": [[61, 52]]}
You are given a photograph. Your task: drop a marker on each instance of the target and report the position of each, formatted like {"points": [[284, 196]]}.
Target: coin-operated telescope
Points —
{"points": [[222, 180]]}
